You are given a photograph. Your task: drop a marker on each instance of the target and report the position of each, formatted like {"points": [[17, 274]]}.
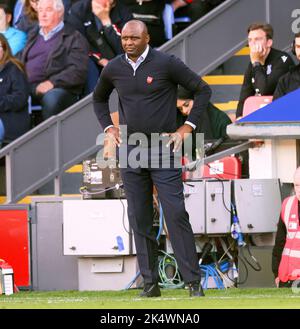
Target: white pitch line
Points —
{"points": [[134, 299]]}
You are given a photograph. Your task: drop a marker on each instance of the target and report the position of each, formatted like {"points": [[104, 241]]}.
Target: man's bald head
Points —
{"points": [[135, 38], [136, 25]]}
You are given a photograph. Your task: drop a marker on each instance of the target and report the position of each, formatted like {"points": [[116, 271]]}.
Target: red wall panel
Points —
{"points": [[14, 243]]}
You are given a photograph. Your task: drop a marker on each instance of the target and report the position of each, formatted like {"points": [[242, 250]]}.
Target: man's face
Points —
{"points": [[34, 4], [134, 40], [4, 20], [297, 48], [48, 16], [258, 38]]}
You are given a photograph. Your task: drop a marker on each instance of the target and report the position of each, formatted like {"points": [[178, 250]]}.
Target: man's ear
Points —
{"points": [[8, 18], [269, 43]]}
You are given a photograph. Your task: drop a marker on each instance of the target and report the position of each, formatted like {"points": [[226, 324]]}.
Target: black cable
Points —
{"points": [[246, 273], [123, 217], [95, 192], [258, 268]]}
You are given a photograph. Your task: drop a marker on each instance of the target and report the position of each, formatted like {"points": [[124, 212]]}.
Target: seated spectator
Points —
{"points": [[26, 18], [15, 37], [291, 80], [185, 101], [195, 9], [266, 65], [19, 7], [56, 60], [68, 4], [100, 21], [213, 123], [14, 91], [151, 13]]}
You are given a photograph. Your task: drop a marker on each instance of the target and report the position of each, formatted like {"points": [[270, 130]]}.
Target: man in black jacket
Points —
{"points": [[266, 65], [56, 60], [100, 21], [290, 81], [146, 81]]}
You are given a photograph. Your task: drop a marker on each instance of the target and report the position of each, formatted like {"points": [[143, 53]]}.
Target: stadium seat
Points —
{"points": [[254, 103]]}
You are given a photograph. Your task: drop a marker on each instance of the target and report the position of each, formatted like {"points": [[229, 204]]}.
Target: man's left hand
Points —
{"points": [[178, 137], [44, 87]]}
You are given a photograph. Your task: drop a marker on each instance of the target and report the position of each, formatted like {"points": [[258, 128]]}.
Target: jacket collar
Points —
{"points": [[147, 59]]}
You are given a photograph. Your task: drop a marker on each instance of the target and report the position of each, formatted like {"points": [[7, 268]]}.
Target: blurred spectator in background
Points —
{"points": [[68, 4], [25, 15], [291, 80], [100, 21], [15, 37], [213, 121], [266, 65], [56, 59], [151, 13], [195, 9], [14, 91]]}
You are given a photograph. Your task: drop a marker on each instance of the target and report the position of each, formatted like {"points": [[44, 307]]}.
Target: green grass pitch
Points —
{"points": [[232, 298]]}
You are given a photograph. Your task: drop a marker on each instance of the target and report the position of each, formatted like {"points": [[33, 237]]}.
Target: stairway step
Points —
{"points": [[224, 79], [75, 169], [27, 199], [229, 106], [243, 52]]}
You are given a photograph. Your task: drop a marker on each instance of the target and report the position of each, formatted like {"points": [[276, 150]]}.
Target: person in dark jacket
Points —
{"points": [[14, 91], [291, 80], [100, 21], [146, 81], [56, 60], [266, 65], [197, 8]]}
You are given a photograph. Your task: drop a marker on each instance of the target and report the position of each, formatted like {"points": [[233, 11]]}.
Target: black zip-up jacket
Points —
{"points": [[102, 39], [279, 244], [14, 92], [147, 99], [264, 78], [288, 83]]}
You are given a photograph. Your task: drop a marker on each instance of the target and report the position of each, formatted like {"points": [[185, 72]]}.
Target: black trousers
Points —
{"points": [[138, 184]]}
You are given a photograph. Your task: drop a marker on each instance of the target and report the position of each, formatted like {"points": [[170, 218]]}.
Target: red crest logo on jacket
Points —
{"points": [[149, 80]]}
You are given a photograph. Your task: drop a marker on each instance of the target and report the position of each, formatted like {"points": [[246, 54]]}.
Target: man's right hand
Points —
{"points": [[277, 282], [258, 53], [113, 134]]}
